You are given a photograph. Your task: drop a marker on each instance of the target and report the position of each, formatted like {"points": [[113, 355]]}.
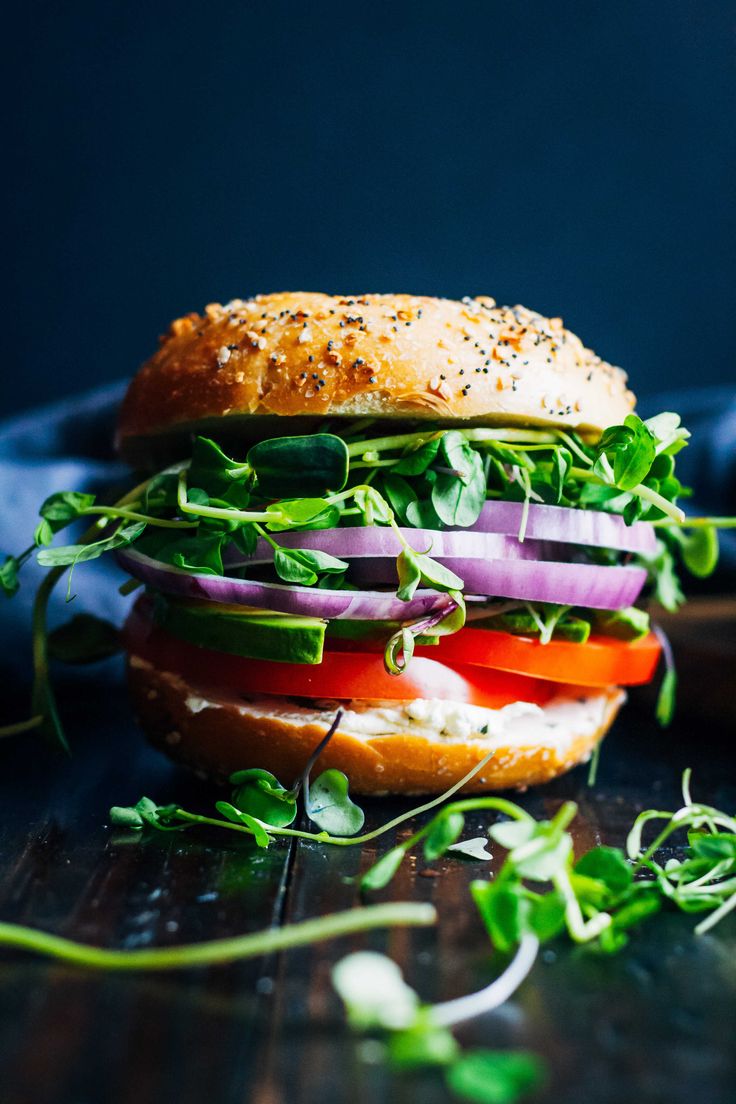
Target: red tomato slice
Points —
{"points": [[601, 661], [340, 675]]}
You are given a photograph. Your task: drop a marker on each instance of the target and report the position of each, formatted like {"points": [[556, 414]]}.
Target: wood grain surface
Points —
{"points": [[655, 1023]]}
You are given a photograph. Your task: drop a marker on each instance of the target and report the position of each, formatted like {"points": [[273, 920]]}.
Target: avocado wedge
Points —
{"points": [[282, 638]]}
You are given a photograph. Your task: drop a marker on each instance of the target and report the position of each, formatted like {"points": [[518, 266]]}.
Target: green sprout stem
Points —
{"points": [[454, 1012], [716, 916], [646, 493], [43, 701], [106, 512], [402, 440], [21, 726], [187, 507], [700, 522], [332, 926], [498, 804]]}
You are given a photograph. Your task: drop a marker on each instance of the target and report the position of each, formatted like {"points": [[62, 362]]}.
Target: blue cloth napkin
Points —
{"points": [[68, 446]]}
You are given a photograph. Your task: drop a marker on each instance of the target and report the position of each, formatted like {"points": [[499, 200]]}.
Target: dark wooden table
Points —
{"points": [[656, 1023]]}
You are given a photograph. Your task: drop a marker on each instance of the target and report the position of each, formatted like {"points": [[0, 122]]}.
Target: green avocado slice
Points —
{"points": [[282, 638]]}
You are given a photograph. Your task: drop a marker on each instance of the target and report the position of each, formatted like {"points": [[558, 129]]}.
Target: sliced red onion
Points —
{"points": [[566, 584], [379, 542], [494, 536], [594, 528], [309, 601]]}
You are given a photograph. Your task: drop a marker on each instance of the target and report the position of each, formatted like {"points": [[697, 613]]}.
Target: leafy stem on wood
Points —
{"points": [[332, 926], [414, 1035], [147, 813]]}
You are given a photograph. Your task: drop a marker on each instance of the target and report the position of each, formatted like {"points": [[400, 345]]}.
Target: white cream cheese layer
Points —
{"points": [[521, 724]]}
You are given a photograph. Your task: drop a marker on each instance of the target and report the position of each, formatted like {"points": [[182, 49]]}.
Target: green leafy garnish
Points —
{"points": [[417, 1035], [495, 1077], [260, 794], [296, 467], [459, 492], [329, 806], [205, 515], [630, 449], [296, 565], [217, 951], [382, 872], [444, 833], [9, 581], [72, 554]]}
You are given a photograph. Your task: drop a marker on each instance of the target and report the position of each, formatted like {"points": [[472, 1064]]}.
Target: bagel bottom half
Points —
{"points": [[216, 733]]}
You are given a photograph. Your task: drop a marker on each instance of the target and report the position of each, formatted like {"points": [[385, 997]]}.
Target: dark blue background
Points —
{"points": [[578, 157]]}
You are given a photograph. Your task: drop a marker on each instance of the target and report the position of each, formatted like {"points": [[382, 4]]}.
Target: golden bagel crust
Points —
{"points": [[222, 734], [307, 355]]}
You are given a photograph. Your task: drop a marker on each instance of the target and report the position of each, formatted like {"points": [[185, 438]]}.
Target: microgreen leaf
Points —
{"points": [[126, 817], [199, 551], [288, 467], [330, 807], [607, 865], [9, 576], [699, 550], [716, 845], [561, 464], [64, 507], [215, 472], [260, 794], [160, 493], [549, 856], [667, 697], [422, 515], [546, 916], [83, 639], [381, 873], [400, 495], [670, 435], [421, 1045], [631, 448], [409, 573], [417, 461], [79, 553], [445, 831], [436, 575], [229, 811], [298, 565], [459, 498], [398, 651], [504, 907], [374, 992], [301, 513], [144, 813], [513, 833], [663, 576], [495, 1077]]}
